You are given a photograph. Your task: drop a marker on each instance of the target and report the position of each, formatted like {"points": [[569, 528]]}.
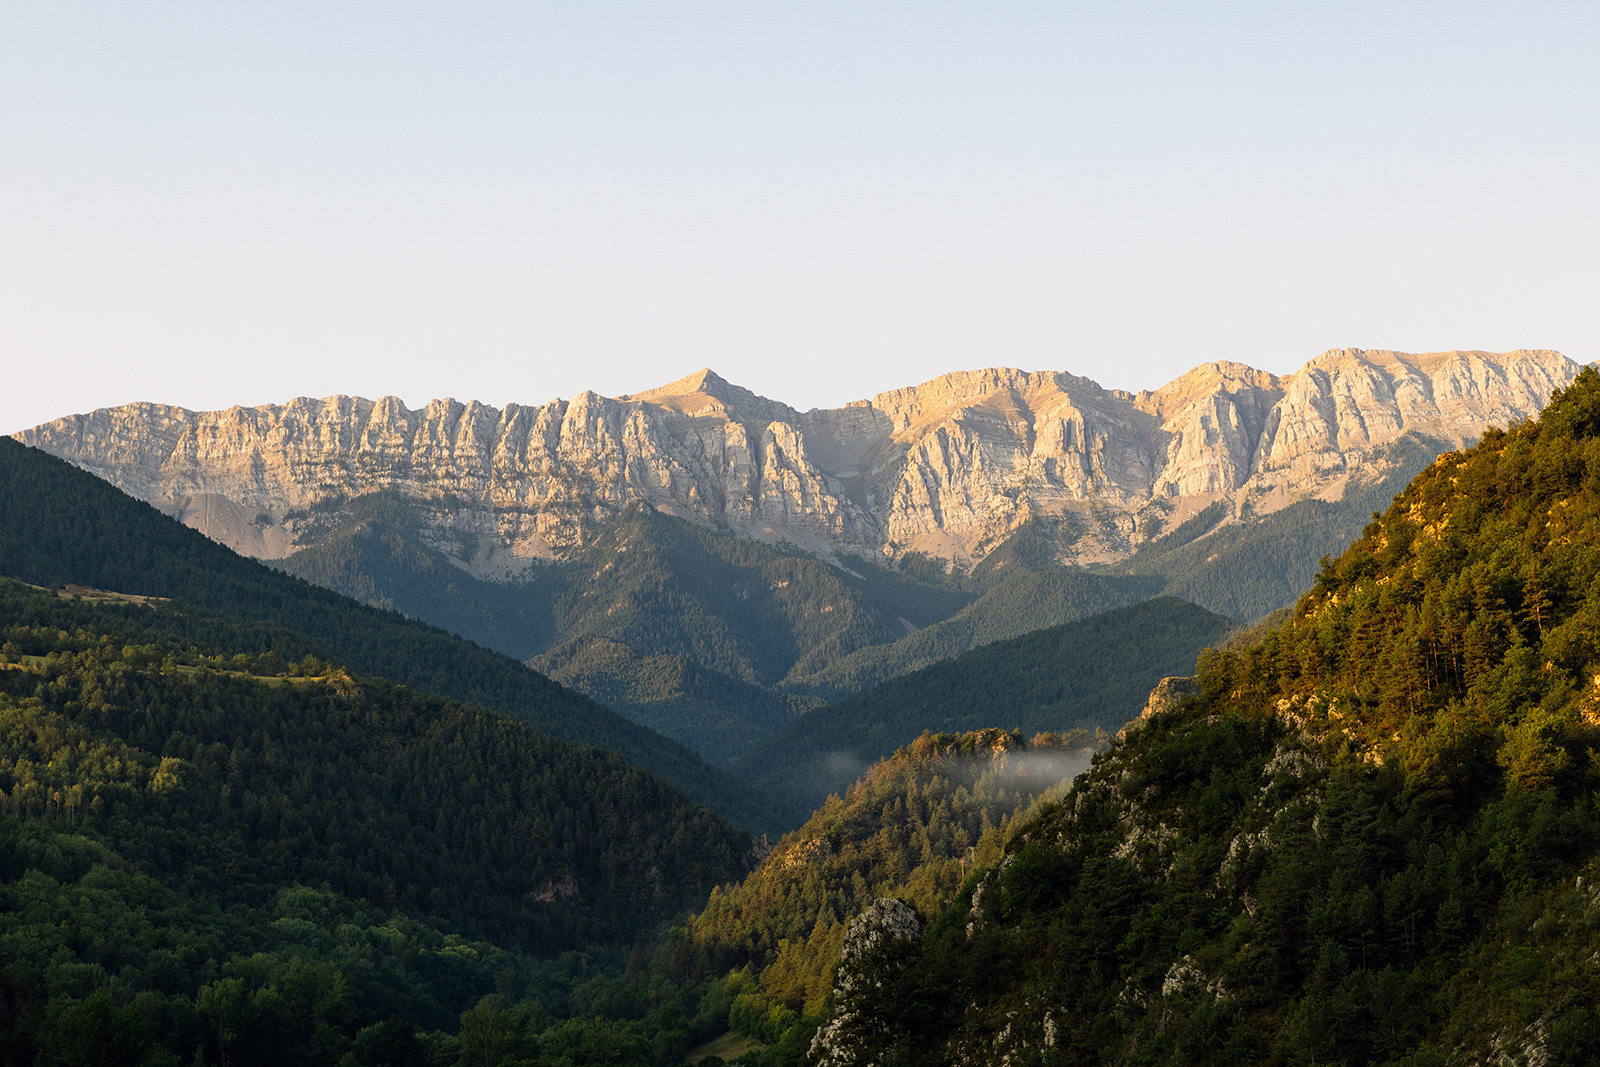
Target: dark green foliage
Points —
{"points": [[59, 525], [1456, 636], [384, 794], [1201, 522], [1014, 602], [715, 715], [735, 635], [1243, 571], [1373, 838], [917, 590], [747, 610], [913, 828], [1037, 545], [1091, 674], [368, 549], [280, 862], [658, 585], [743, 625], [94, 1031], [1214, 891]]}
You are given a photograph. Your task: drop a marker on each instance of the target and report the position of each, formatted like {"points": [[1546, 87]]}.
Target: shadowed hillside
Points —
{"points": [[1093, 674], [59, 525]]}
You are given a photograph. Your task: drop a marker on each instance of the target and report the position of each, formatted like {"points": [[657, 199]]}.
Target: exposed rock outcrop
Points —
{"points": [[950, 467], [874, 945], [1169, 693]]}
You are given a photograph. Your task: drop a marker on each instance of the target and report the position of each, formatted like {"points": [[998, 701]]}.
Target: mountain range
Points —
{"points": [[712, 564], [949, 468], [236, 825], [1365, 833]]}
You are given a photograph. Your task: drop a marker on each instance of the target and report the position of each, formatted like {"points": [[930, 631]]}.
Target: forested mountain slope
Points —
{"points": [[738, 636], [1373, 838], [750, 611], [687, 531], [735, 636], [59, 525], [913, 827], [1241, 567], [1242, 880], [372, 550], [1008, 603], [1093, 674], [662, 586], [713, 714], [258, 858]]}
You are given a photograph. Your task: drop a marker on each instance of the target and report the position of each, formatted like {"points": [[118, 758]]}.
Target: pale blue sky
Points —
{"points": [[205, 204]]}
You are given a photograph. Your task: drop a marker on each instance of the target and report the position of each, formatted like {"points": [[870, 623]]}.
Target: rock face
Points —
{"points": [[874, 943], [1169, 693], [949, 468]]}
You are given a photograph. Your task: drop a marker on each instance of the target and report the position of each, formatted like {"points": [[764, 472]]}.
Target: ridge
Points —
{"points": [[949, 468]]}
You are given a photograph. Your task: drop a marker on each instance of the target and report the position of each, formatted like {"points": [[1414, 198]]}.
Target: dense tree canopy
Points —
{"points": [[178, 824], [912, 827], [60, 525], [1092, 674], [1372, 838]]}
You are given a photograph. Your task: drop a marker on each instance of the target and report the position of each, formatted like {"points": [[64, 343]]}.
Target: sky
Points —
{"points": [[212, 204]]}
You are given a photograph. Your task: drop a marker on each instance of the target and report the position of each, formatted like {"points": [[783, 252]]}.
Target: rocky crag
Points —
{"points": [[948, 468]]}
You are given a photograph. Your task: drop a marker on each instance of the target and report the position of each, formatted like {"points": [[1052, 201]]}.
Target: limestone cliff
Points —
{"points": [[950, 467]]}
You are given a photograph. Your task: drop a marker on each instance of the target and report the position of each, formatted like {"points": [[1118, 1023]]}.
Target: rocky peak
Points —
{"points": [[949, 467], [705, 392], [1205, 381]]}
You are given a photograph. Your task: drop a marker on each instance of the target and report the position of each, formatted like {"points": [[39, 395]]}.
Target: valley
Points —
{"points": [[711, 564], [723, 534], [658, 781]]}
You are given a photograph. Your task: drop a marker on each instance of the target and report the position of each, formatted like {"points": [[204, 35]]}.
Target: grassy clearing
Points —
{"points": [[729, 1046]]}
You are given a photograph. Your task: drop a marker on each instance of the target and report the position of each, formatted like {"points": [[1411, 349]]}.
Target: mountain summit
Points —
{"points": [[949, 468]]}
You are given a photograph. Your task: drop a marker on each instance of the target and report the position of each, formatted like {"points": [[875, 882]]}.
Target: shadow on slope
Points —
{"points": [[1091, 674], [61, 525], [1020, 602], [369, 550], [715, 715]]}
